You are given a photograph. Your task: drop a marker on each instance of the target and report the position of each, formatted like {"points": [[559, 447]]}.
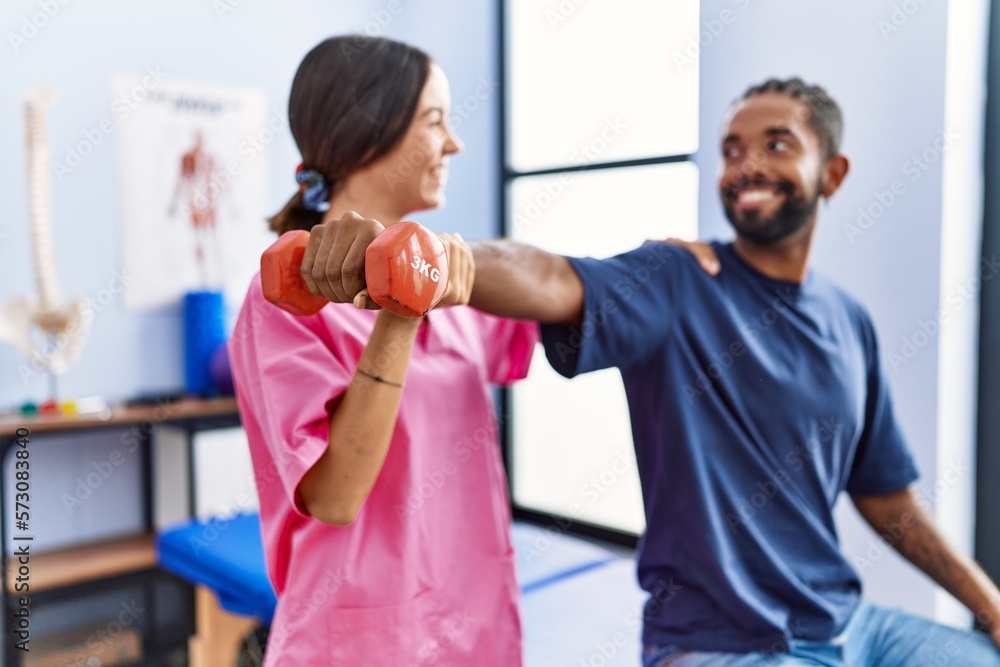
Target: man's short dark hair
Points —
{"points": [[824, 112]]}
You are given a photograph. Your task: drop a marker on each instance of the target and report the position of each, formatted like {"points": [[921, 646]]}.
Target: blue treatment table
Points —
{"points": [[580, 600]]}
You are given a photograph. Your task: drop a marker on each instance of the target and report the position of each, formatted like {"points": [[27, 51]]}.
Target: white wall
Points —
{"points": [[889, 71]]}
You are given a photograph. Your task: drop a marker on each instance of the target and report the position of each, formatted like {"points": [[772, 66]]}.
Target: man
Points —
{"points": [[756, 397]]}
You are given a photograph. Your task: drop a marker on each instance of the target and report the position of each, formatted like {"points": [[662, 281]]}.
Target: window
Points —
{"points": [[600, 121]]}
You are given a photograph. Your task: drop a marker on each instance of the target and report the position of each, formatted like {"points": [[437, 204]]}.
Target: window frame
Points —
{"points": [[987, 533]]}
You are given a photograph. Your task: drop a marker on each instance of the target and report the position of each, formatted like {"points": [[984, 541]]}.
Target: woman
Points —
{"points": [[382, 495]]}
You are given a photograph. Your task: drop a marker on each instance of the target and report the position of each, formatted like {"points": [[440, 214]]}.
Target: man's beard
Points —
{"points": [[794, 214]]}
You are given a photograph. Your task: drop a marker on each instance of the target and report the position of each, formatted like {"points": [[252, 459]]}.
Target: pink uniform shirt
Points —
{"points": [[425, 575]]}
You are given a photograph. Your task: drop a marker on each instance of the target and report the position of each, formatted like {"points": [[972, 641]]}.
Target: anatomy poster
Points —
{"points": [[193, 177]]}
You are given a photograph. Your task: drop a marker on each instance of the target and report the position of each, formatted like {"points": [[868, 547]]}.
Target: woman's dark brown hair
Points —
{"points": [[352, 100]]}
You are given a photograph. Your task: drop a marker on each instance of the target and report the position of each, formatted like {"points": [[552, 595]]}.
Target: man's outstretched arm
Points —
{"points": [[512, 279], [520, 281], [902, 521]]}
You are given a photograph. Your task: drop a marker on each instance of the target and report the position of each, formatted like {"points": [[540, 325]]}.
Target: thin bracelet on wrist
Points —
{"points": [[379, 379]]}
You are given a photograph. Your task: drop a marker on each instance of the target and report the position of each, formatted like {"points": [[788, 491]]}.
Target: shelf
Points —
{"points": [[65, 567], [74, 646], [168, 413]]}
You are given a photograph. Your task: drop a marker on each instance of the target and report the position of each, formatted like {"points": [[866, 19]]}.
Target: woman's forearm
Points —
{"points": [[362, 425]]}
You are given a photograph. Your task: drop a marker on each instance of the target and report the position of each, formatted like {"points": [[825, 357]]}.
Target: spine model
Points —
{"points": [[46, 331]]}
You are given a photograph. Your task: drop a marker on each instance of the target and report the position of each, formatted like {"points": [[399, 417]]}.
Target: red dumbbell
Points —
{"points": [[406, 271]]}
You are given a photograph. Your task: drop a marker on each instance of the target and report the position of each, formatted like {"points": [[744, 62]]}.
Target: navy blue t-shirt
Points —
{"points": [[754, 402]]}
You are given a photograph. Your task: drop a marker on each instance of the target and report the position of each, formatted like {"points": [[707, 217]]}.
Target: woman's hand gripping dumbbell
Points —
{"points": [[404, 269]]}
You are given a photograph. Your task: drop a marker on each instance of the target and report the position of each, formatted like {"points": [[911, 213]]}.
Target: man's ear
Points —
{"points": [[834, 171]]}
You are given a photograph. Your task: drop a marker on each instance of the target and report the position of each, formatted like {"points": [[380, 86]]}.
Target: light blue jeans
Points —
{"points": [[874, 637]]}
